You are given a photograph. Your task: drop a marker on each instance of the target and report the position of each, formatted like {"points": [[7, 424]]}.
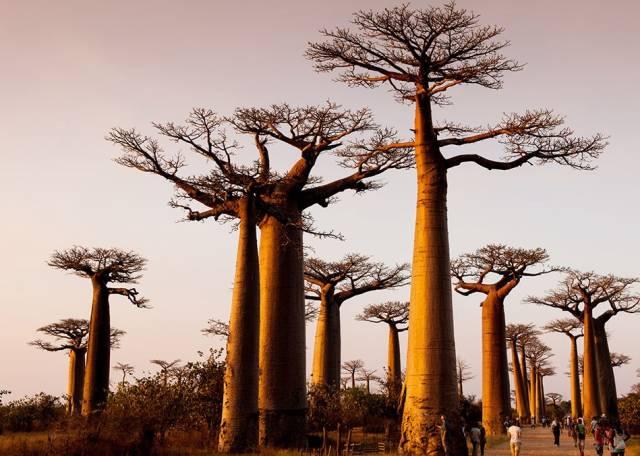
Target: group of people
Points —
{"points": [[608, 435]]}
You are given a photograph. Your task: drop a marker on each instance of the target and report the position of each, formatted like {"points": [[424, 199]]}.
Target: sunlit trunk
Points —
{"points": [[525, 382], [496, 404], [326, 352], [96, 379], [591, 401], [606, 376], [576, 401], [431, 388], [393, 359], [76, 380], [239, 425], [282, 392], [533, 392], [518, 381]]}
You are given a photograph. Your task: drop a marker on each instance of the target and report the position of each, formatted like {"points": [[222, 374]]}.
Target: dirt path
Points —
{"points": [[539, 442]]}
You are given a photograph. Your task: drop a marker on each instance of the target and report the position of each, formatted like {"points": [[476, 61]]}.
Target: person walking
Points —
{"points": [[515, 441], [619, 441], [445, 435], [598, 439], [555, 430], [474, 437], [483, 438], [581, 433]]}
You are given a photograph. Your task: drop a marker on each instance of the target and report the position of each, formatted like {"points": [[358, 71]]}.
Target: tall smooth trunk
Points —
{"points": [[542, 404], [606, 376], [327, 345], [496, 404], [533, 393], [239, 424], [518, 380], [431, 389], [576, 401], [282, 392], [75, 380], [525, 382], [96, 379], [591, 394], [394, 367]]}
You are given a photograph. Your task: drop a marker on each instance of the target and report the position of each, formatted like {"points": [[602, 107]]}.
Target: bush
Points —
{"points": [[34, 413], [629, 409]]}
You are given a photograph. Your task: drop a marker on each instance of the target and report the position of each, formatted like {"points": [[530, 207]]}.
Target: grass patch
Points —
{"points": [[633, 446]]}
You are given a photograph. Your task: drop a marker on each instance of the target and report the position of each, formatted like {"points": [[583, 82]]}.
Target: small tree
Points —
{"points": [[126, 369], [102, 267], [572, 328], [333, 283], [494, 271], [71, 334], [352, 367], [166, 368], [367, 376], [464, 375], [395, 315]]}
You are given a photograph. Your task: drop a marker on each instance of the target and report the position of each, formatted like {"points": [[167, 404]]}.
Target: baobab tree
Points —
{"points": [[494, 271], [619, 359], [515, 335], [464, 374], [421, 55], [333, 283], [351, 368], [579, 293], [71, 334], [102, 267], [126, 369], [366, 376], [278, 203], [395, 315], [572, 328], [555, 398], [545, 370], [538, 354]]}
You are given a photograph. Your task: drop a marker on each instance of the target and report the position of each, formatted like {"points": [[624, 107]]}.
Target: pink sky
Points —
{"points": [[71, 70]]}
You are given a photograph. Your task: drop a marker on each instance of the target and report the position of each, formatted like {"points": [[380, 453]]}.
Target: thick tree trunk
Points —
{"points": [[542, 404], [496, 404], [96, 379], [282, 392], [533, 393], [576, 401], [327, 346], [591, 401], [76, 380], [525, 382], [394, 367], [606, 376], [239, 425], [431, 389], [518, 380]]}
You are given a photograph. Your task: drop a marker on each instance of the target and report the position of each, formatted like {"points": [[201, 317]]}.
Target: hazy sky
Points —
{"points": [[73, 69]]}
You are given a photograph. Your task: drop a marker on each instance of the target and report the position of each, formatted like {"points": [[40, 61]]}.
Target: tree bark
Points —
{"points": [[76, 380], [394, 367], [282, 392], [496, 404], [525, 382], [96, 379], [327, 345], [591, 395], [533, 393], [431, 388], [576, 402], [606, 377], [239, 425], [541, 401], [518, 380]]}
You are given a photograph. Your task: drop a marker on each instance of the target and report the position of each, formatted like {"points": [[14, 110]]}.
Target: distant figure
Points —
{"points": [[594, 423], [573, 433], [445, 435], [598, 439], [483, 438], [474, 438], [555, 430], [619, 441], [515, 441], [581, 433]]}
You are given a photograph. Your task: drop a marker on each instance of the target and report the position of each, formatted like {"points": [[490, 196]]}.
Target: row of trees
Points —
{"points": [[421, 55]]}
